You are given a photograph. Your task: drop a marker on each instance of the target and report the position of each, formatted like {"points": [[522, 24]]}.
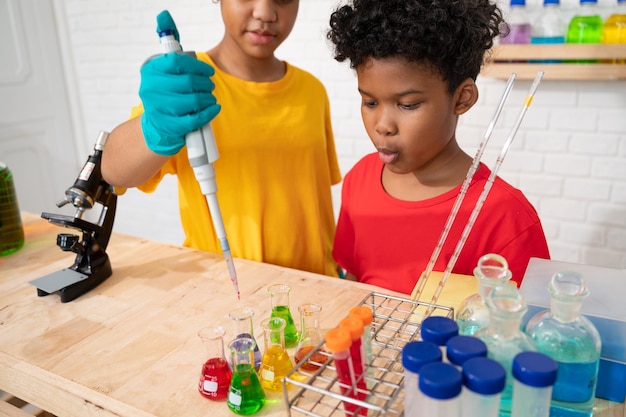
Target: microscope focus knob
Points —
{"points": [[66, 241]]}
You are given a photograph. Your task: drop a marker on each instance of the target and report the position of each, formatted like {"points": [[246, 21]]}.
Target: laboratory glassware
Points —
{"points": [[216, 374], [503, 336], [614, 29], [355, 327], [279, 294], [244, 327], [245, 395], [483, 382], [569, 338], [440, 384], [585, 27], [534, 375], [461, 348], [366, 316], [310, 337], [519, 24], [491, 271], [11, 229], [276, 362], [415, 355], [438, 330]]}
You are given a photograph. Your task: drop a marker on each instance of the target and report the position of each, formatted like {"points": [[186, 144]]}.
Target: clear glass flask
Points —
{"points": [[276, 362], [245, 395], [243, 327], [492, 270], [310, 337], [279, 294], [216, 373], [503, 335], [572, 341]]}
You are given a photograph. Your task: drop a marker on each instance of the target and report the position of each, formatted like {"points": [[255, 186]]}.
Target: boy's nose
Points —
{"points": [[264, 10]]}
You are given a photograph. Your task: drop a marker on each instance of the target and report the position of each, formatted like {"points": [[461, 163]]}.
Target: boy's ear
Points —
{"points": [[466, 95]]}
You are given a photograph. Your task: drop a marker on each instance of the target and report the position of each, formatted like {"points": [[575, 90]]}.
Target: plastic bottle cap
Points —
{"points": [[352, 325], [438, 329], [461, 348], [364, 313], [484, 376], [534, 369], [518, 2], [440, 380], [550, 2], [338, 340], [417, 354]]}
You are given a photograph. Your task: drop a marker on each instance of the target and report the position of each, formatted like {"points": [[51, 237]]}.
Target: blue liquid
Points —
{"points": [[550, 40], [573, 393]]}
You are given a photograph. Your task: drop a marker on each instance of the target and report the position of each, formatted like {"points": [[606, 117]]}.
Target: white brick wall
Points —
{"points": [[569, 156]]}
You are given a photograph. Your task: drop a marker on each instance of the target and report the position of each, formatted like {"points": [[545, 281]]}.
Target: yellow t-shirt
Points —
{"points": [[274, 174]]}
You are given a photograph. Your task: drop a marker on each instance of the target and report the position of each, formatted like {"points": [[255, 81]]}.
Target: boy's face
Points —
{"points": [[258, 27], [408, 113]]}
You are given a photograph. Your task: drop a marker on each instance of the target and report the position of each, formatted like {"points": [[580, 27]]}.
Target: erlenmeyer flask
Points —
{"points": [[276, 362], [243, 327], [216, 374], [279, 294], [310, 336], [245, 395]]}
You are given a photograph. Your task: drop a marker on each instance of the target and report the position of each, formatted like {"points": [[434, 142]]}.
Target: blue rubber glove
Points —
{"points": [[177, 95]]}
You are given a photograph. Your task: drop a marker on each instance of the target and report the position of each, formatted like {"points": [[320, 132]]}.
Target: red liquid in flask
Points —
{"points": [[215, 379]]}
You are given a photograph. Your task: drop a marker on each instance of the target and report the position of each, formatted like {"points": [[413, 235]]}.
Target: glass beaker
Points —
{"points": [[572, 341], [276, 362], [492, 271], [216, 373], [503, 335], [243, 327], [279, 294], [310, 336], [245, 395]]}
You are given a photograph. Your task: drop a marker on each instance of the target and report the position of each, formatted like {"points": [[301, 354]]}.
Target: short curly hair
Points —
{"points": [[452, 37]]}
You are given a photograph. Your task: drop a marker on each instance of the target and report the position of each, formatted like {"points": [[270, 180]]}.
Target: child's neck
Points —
{"points": [[246, 67]]}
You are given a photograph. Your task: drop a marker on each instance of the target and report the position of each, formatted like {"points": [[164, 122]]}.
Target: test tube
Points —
{"points": [[534, 375], [461, 348], [438, 330], [414, 356], [440, 383], [483, 381], [366, 316]]}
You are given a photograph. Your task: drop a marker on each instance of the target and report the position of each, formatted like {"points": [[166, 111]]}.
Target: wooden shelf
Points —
{"points": [[505, 59]]}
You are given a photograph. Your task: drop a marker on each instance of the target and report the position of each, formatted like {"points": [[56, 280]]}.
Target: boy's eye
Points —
{"points": [[410, 106], [369, 103]]}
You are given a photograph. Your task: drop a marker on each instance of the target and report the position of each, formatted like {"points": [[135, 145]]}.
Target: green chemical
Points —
{"points": [[291, 333], [246, 396], [585, 27], [11, 230]]}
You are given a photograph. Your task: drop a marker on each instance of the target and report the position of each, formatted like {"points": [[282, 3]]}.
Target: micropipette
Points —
{"points": [[459, 199], [202, 152], [483, 195]]}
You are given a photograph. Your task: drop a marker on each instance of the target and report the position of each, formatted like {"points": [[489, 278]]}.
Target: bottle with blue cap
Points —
{"points": [[461, 348], [534, 376], [415, 355], [483, 382], [441, 384], [438, 330]]}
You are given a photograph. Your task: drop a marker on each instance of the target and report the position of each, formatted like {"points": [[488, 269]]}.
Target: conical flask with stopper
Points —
{"points": [[503, 335], [243, 327], [279, 294], [216, 373], [310, 337], [492, 271], [569, 338]]}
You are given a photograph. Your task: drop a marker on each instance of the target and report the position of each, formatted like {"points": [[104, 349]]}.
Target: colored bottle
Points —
{"points": [[310, 337], [243, 327], [614, 30], [534, 375], [279, 294], [216, 373], [549, 28], [519, 24], [338, 342], [491, 271], [11, 230], [276, 362], [572, 341], [461, 348], [441, 384], [245, 395], [414, 356], [438, 330], [483, 382], [503, 336], [585, 27]]}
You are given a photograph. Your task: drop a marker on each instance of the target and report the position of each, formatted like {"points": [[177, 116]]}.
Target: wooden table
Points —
{"points": [[130, 347]]}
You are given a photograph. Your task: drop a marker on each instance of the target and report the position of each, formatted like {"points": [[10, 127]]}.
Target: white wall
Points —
{"points": [[569, 156]]}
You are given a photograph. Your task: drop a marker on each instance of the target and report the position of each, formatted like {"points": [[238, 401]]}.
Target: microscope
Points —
{"points": [[92, 265]]}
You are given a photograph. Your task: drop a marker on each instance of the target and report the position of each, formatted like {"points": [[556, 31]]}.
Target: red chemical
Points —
{"points": [[215, 379]]}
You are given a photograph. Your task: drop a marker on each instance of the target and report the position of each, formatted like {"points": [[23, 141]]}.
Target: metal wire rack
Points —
{"points": [[318, 393]]}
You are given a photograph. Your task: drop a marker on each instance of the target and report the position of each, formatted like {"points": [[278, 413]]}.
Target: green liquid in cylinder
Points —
{"points": [[291, 333], [245, 396]]}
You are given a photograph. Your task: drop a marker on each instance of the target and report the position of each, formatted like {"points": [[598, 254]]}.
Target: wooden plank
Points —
{"points": [[9, 410]]}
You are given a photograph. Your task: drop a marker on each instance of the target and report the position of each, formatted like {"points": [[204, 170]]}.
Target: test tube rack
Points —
{"points": [[397, 321]]}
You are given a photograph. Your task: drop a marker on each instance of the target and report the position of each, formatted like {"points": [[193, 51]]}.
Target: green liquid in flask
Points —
{"points": [[291, 333], [246, 396]]}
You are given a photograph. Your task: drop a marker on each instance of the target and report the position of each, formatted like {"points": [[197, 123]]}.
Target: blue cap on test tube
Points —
{"points": [[484, 376], [440, 381], [417, 354], [461, 348], [438, 329]]}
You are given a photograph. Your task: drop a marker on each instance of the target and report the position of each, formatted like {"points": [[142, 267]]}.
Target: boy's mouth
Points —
{"points": [[386, 156]]}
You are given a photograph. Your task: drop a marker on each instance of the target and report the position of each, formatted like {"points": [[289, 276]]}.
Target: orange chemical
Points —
{"points": [[310, 365]]}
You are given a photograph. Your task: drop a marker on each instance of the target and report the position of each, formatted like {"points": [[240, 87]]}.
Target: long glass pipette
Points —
{"points": [[481, 199], [459, 199], [202, 152]]}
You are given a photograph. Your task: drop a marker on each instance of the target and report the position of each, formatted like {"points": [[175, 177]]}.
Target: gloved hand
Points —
{"points": [[177, 96]]}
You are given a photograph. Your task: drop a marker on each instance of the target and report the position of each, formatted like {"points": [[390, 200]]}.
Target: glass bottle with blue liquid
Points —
{"points": [[572, 341]]}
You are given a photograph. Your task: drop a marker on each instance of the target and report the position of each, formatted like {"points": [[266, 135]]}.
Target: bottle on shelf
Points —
{"points": [[503, 336], [534, 375], [519, 24], [549, 28], [614, 30], [491, 271], [569, 338], [11, 229], [585, 27]]}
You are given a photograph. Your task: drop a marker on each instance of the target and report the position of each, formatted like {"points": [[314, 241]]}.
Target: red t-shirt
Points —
{"points": [[388, 242]]}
